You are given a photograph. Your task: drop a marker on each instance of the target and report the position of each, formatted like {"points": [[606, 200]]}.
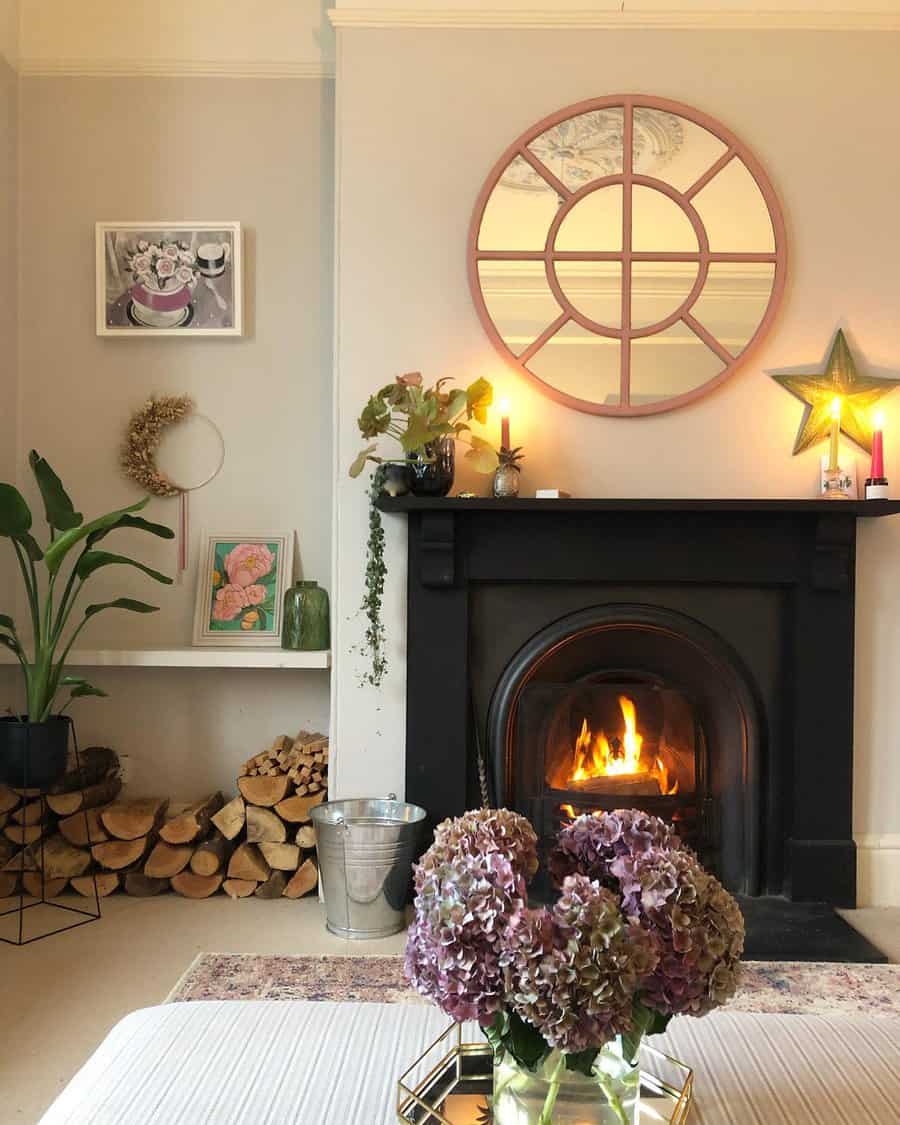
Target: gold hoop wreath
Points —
{"points": [[145, 432]]}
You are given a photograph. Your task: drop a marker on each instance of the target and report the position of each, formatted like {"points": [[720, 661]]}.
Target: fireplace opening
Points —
{"points": [[612, 741], [634, 707]]}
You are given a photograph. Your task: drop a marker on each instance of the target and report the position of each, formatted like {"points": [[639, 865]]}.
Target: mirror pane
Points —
{"points": [[594, 288], [734, 212], [733, 301], [594, 223], [658, 224], [658, 289], [519, 301], [670, 363], [581, 364], [580, 150], [671, 148], [516, 220]]}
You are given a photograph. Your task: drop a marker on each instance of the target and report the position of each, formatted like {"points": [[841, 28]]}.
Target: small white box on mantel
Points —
{"points": [[552, 494]]}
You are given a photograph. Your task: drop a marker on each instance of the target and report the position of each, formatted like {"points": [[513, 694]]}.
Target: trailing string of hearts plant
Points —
{"points": [[146, 430]]}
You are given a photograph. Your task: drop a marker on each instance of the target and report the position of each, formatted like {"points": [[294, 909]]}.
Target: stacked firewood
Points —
{"points": [[261, 842]]}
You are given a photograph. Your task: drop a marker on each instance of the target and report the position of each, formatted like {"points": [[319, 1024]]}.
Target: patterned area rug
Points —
{"points": [[792, 987]]}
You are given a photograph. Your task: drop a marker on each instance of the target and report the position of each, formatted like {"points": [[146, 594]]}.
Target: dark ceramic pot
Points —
{"points": [[33, 755], [432, 472], [396, 478]]}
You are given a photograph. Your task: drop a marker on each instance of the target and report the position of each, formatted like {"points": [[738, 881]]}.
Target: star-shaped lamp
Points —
{"points": [[858, 394]]}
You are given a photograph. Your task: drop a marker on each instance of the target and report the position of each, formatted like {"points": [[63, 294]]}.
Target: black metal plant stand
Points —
{"points": [[36, 855]]}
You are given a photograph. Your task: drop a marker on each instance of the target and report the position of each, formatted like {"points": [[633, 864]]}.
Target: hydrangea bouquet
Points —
{"points": [[564, 993]]}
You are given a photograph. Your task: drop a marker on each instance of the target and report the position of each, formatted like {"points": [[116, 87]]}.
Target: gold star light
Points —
{"points": [[858, 394]]}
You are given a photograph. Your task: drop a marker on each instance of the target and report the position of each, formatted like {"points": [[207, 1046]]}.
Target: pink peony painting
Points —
{"points": [[241, 589]]}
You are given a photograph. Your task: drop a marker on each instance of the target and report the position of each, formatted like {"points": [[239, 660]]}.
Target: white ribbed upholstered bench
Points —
{"points": [[302, 1063]]}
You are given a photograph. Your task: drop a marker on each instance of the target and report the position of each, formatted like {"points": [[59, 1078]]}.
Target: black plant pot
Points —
{"points": [[396, 478], [33, 755], [432, 471]]}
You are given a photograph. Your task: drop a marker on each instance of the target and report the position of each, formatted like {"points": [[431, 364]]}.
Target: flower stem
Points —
{"points": [[546, 1117], [605, 1083]]}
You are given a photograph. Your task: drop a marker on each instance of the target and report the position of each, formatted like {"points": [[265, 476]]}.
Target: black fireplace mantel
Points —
{"points": [[482, 571]]}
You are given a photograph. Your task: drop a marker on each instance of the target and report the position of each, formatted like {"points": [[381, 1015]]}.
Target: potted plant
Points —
{"points": [[426, 422], [165, 274], [564, 993], [34, 746]]}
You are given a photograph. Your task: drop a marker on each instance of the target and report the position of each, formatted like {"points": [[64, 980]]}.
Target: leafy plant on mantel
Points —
{"points": [[417, 417], [50, 608]]}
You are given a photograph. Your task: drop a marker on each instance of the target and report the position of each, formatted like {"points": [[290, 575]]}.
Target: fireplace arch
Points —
{"points": [[672, 665]]}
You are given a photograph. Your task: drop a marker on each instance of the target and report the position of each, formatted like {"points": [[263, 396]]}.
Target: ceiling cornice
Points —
{"points": [[172, 68], [559, 19]]}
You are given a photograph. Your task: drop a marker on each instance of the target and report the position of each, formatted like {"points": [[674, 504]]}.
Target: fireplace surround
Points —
{"points": [[726, 624]]}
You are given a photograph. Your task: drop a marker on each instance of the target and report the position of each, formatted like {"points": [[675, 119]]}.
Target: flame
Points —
{"points": [[597, 756]]}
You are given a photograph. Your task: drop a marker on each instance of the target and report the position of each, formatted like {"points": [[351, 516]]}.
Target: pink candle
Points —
{"points": [[504, 424], [877, 471]]}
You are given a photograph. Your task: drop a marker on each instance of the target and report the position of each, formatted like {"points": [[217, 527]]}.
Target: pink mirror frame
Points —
{"points": [[628, 178]]}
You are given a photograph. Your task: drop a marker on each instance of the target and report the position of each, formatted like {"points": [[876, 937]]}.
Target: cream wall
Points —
{"points": [[258, 151], [422, 116]]}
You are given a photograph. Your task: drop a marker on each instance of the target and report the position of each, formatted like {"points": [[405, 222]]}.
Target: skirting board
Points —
{"points": [[878, 870]]}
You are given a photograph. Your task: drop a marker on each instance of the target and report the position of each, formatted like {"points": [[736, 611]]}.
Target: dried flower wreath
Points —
{"points": [[142, 441]]}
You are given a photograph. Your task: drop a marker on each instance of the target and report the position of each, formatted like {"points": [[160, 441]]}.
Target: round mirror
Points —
{"points": [[627, 286]]}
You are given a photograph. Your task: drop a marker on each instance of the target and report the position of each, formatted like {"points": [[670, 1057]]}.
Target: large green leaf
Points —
{"points": [[15, 515], [93, 560], [88, 689], [136, 522], [59, 548], [31, 545], [360, 462], [482, 456], [121, 603], [58, 508], [11, 643], [480, 395], [417, 434]]}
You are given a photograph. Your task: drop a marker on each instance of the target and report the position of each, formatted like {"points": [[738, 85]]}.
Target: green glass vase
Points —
{"points": [[305, 626]]}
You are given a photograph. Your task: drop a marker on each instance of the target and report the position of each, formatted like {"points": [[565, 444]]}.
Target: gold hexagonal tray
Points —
{"points": [[451, 1084]]}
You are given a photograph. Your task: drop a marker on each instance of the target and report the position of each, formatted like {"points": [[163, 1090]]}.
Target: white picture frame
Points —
{"points": [[240, 594], [139, 302]]}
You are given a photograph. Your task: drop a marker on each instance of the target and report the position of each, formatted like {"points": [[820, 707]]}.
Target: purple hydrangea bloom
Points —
{"points": [[573, 970], [470, 885], [697, 926]]}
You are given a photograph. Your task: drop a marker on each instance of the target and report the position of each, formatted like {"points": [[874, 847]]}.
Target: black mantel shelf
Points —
{"points": [[860, 508]]}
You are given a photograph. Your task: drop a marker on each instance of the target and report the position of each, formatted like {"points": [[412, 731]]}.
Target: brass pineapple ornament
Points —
{"points": [[507, 473]]}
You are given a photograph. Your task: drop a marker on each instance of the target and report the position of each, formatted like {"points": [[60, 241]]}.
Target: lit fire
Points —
{"points": [[597, 756]]}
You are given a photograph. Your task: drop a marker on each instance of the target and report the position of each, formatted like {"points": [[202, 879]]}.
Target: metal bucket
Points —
{"points": [[366, 849]]}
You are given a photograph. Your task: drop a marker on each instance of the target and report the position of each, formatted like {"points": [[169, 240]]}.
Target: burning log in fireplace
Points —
{"points": [[619, 765]]}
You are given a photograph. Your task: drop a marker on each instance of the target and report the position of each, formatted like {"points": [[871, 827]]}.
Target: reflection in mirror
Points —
{"points": [[658, 289], [594, 288], [519, 300], [659, 224], [670, 363], [734, 212], [580, 364], [584, 148], [594, 223], [734, 300], [516, 220], [671, 148]]}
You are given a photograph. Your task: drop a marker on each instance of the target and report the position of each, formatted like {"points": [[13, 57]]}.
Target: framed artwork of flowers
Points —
{"points": [[240, 589], [169, 279]]}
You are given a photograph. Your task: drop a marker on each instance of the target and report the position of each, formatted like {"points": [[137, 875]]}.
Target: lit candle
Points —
{"points": [[877, 472], [504, 424], [835, 435]]}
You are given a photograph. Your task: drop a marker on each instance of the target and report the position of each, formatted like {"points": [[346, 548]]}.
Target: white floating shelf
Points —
{"points": [[189, 657]]}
